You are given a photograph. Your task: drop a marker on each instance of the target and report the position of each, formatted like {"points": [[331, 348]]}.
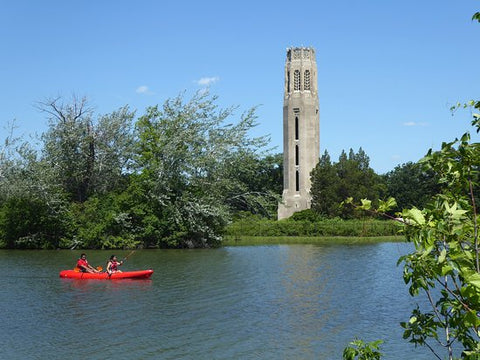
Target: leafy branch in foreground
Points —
{"points": [[360, 350], [445, 265]]}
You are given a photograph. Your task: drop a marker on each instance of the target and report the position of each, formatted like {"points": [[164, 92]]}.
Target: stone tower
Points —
{"points": [[301, 129]]}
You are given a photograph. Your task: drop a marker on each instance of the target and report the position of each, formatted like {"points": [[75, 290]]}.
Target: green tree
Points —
{"points": [[188, 160], [80, 158], [86, 156], [260, 181], [411, 185], [325, 197], [445, 265], [351, 177], [32, 207]]}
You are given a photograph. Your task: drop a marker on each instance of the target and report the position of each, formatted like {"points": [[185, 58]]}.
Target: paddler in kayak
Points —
{"points": [[84, 266], [113, 264]]}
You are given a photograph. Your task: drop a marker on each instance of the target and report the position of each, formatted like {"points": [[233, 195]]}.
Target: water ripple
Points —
{"points": [[271, 302]]}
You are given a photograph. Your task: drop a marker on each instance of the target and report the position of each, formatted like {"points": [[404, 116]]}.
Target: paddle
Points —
{"points": [[126, 257]]}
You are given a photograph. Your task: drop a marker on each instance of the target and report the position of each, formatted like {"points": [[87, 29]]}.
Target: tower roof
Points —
{"points": [[297, 53]]}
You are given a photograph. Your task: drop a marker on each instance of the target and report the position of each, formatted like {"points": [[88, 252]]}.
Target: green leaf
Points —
{"points": [[415, 215], [366, 204], [446, 270], [473, 279], [385, 206], [442, 257], [472, 319], [454, 211]]}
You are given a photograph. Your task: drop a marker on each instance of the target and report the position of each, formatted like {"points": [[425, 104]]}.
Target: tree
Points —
{"points": [[86, 156], [188, 160], [114, 145], [32, 207], [325, 197], [447, 253], [80, 158], [261, 179], [411, 185], [351, 176], [445, 265], [69, 145]]}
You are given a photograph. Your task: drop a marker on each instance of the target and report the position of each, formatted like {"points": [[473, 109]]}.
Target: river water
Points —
{"points": [[263, 302]]}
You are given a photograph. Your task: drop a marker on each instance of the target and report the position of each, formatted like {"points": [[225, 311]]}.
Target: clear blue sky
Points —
{"points": [[388, 71]]}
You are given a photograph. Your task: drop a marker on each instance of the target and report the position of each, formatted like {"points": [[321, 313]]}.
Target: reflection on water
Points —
{"points": [[267, 302]]}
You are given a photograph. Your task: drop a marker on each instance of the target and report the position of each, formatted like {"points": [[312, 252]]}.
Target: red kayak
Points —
{"points": [[139, 274]]}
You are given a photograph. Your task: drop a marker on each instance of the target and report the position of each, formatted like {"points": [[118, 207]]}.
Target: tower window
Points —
{"points": [[297, 181], [296, 80], [306, 83], [288, 81], [297, 156], [296, 127]]}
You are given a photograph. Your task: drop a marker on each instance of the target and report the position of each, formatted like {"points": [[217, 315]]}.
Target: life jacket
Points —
{"points": [[81, 263], [113, 266]]}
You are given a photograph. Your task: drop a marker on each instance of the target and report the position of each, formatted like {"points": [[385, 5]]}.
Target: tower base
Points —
{"points": [[291, 205]]}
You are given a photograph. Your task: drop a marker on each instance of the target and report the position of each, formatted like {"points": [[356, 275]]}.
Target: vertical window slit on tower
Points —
{"points": [[296, 155], [296, 127], [288, 81], [297, 181]]}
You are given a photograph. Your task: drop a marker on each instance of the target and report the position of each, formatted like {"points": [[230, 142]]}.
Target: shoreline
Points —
{"points": [[308, 240]]}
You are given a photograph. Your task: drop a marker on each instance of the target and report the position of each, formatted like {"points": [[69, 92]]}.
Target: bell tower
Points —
{"points": [[301, 129]]}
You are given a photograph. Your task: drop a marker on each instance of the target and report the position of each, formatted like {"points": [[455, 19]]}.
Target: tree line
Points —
{"points": [[411, 184], [174, 176], [170, 178]]}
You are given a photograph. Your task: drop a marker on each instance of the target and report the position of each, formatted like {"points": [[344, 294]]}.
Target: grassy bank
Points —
{"points": [[300, 228], [315, 240]]}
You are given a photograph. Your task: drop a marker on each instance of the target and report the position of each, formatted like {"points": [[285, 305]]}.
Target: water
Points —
{"points": [[266, 302]]}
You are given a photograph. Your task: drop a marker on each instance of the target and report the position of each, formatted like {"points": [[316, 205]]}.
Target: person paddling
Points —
{"points": [[113, 264], [84, 266]]}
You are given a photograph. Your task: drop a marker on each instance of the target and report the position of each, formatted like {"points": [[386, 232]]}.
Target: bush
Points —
{"points": [[254, 226], [28, 223]]}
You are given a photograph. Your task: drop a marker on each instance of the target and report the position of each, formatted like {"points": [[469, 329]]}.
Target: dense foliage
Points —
{"points": [[411, 185], [351, 176], [172, 178], [445, 265], [360, 350]]}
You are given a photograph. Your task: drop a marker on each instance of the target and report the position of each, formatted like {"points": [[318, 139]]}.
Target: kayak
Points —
{"points": [[138, 274]]}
